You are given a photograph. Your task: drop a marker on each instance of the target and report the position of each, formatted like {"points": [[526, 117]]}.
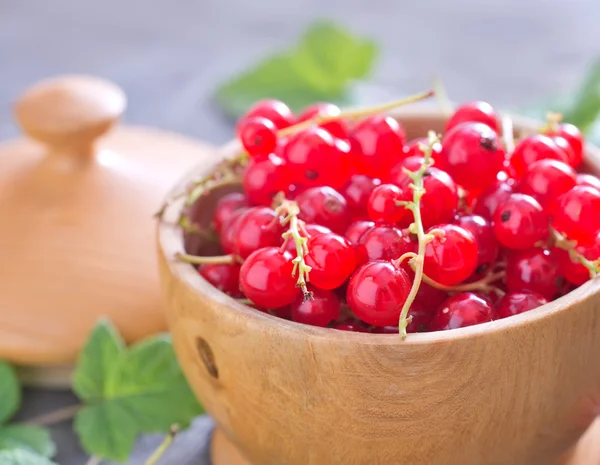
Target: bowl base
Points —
{"points": [[587, 452]]}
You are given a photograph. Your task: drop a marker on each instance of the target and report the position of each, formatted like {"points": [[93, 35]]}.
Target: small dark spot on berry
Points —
{"points": [[489, 143], [311, 174], [207, 357], [258, 140], [482, 269], [333, 206], [427, 173], [505, 216]]}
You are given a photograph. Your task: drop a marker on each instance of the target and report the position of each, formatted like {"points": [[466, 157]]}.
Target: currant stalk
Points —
{"points": [[484, 284], [508, 135], [417, 228], [217, 260], [560, 241], [162, 448], [288, 211]]}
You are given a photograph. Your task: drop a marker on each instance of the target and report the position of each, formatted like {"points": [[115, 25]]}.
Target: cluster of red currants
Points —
{"points": [[508, 228]]}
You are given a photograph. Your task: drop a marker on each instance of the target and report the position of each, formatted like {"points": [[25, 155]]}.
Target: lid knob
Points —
{"points": [[69, 113]]}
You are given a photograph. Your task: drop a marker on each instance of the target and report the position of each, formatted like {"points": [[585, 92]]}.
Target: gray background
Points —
{"points": [[170, 55]]}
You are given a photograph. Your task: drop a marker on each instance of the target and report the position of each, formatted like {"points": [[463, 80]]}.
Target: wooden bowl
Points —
{"points": [[518, 391]]}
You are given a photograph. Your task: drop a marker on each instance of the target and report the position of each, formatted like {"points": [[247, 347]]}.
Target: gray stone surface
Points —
{"points": [[170, 55]]}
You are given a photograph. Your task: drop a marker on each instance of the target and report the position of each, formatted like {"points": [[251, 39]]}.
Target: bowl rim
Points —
{"points": [[170, 242]]}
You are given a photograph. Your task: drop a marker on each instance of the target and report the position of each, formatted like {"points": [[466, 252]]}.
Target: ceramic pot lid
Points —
{"points": [[76, 225]]}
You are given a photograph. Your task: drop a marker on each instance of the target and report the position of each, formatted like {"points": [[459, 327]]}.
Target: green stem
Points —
{"points": [[158, 453], [483, 284], [560, 241], [508, 134], [199, 260]]}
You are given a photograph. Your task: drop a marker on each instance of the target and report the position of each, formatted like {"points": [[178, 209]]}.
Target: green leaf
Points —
{"points": [[321, 67], [10, 392], [97, 361], [143, 390], [23, 457], [586, 103], [33, 438]]}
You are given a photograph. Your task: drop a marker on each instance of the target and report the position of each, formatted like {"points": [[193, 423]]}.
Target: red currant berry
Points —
{"points": [[357, 191], [315, 230], [574, 138], [520, 222], [461, 310], [258, 136], [337, 127], [352, 326], [224, 277], [356, 230], [332, 260], [532, 149], [514, 303], [266, 278], [229, 230], [545, 180], [487, 203], [382, 242], [473, 112], [572, 270], [576, 214], [226, 206], [377, 291], [428, 298], [383, 204], [413, 149], [264, 178], [473, 155], [381, 140], [440, 201], [488, 247], [588, 180], [275, 111], [534, 270], [321, 310], [259, 227], [324, 206], [451, 259], [314, 159]]}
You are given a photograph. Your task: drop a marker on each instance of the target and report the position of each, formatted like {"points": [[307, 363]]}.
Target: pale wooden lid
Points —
{"points": [[76, 225]]}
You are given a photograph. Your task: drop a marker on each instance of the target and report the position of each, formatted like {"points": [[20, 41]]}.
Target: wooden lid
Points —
{"points": [[76, 226]]}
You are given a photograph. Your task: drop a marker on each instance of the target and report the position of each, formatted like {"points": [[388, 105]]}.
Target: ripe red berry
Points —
{"points": [[428, 298], [351, 326], [383, 204], [275, 111], [377, 291], [356, 230], [520, 222], [266, 278], [229, 230], [224, 277], [308, 230], [532, 149], [264, 178], [574, 138], [381, 140], [321, 310], [259, 227], [451, 259], [572, 270], [440, 201], [488, 247], [356, 192], [473, 112], [534, 270], [589, 180], [545, 180], [337, 128], [413, 149], [258, 136], [473, 155], [461, 310], [486, 204], [226, 206], [514, 303], [382, 242], [576, 213], [314, 159], [332, 260], [324, 206]]}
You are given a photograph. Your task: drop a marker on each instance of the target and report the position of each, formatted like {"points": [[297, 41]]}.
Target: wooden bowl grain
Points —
{"points": [[518, 391]]}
